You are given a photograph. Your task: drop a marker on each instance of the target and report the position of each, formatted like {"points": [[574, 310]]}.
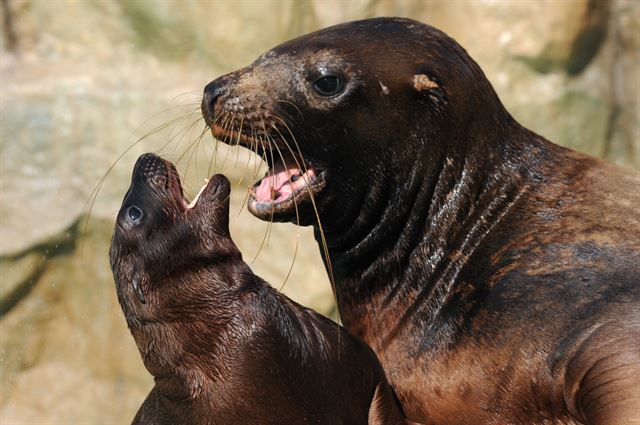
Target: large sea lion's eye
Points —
{"points": [[328, 85], [134, 214]]}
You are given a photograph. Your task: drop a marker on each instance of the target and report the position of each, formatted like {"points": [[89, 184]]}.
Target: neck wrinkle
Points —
{"points": [[411, 263], [369, 210], [443, 269], [379, 224]]}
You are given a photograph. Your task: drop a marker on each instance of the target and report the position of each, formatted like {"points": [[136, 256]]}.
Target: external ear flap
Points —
{"points": [[427, 85], [136, 283]]}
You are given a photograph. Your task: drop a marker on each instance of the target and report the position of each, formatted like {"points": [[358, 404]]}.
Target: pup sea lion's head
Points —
{"points": [[345, 114], [161, 242]]}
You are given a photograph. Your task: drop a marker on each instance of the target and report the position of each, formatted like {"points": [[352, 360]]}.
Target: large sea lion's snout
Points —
{"points": [[239, 109]]}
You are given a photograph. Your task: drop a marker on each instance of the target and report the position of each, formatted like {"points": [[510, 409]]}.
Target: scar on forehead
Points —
{"points": [[421, 82]]}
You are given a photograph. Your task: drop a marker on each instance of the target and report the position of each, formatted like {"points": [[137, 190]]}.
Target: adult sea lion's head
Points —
{"points": [[161, 243], [344, 115]]}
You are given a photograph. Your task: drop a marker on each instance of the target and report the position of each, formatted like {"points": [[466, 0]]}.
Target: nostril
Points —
{"points": [[211, 93]]}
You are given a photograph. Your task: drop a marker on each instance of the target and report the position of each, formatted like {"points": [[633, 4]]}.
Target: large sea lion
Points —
{"points": [[495, 274], [223, 346]]}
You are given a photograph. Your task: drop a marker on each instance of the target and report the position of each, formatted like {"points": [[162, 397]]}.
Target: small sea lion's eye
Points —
{"points": [[134, 214], [328, 85]]}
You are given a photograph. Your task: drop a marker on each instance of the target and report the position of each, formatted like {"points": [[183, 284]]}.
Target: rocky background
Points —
{"points": [[84, 82]]}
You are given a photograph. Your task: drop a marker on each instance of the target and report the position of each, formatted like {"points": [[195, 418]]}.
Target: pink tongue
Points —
{"points": [[276, 181]]}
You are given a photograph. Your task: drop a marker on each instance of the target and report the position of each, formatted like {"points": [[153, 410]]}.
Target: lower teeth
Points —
{"points": [[195, 200]]}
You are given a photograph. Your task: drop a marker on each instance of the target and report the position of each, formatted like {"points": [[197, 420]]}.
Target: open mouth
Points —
{"points": [[175, 188], [289, 183]]}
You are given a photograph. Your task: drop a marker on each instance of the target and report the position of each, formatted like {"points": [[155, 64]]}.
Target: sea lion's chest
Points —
{"points": [[497, 371], [472, 384]]}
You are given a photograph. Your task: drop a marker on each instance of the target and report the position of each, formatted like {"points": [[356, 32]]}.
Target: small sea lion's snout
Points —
{"points": [[154, 171]]}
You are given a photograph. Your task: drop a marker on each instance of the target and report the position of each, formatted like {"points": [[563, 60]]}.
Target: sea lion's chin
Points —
{"points": [[286, 191]]}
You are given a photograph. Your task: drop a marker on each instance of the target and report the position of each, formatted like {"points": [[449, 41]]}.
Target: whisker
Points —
{"points": [[295, 205], [170, 108], [254, 148], [264, 238], [190, 148], [292, 104], [270, 227], [217, 144], [229, 141], [325, 247], [239, 131], [198, 146], [238, 141], [182, 133], [256, 165], [214, 150], [93, 196]]}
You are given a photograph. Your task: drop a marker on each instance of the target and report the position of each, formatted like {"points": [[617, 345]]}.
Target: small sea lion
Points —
{"points": [[495, 274], [223, 346]]}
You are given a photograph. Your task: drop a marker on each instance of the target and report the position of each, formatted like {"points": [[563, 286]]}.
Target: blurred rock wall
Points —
{"points": [[84, 82]]}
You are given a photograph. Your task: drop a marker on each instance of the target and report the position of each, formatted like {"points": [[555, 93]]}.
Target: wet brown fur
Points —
{"points": [[495, 274], [224, 347]]}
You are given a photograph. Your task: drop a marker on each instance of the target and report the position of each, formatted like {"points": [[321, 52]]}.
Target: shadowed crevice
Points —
{"points": [[9, 30], [61, 244], [584, 46]]}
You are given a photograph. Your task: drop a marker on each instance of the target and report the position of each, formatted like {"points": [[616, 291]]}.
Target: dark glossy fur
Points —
{"points": [[495, 274], [223, 346]]}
